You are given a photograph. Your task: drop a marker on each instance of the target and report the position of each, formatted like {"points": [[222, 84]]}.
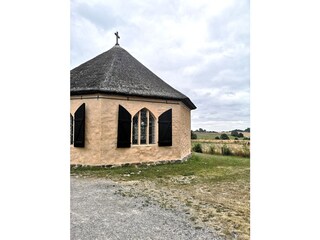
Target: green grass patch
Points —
{"points": [[203, 166]]}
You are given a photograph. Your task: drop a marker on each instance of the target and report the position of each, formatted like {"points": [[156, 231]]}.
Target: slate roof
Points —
{"points": [[117, 72]]}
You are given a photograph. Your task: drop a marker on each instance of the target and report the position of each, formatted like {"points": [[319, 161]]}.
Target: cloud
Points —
{"points": [[201, 48]]}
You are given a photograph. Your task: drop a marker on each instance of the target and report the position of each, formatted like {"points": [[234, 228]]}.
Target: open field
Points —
{"points": [[213, 190], [208, 136]]}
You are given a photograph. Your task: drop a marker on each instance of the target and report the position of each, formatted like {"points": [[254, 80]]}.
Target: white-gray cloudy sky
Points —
{"points": [[201, 48]]}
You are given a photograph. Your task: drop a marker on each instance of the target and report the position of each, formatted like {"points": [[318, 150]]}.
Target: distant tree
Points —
{"points": [[217, 137], [224, 136], [193, 135], [247, 130], [234, 133], [237, 130], [201, 130]]}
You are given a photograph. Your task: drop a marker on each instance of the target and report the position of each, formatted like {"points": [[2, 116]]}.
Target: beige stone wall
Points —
{"points": [[91, 152], [185, 130], [102, 125]]}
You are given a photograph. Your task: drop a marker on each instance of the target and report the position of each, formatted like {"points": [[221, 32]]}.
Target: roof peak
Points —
{"points": [[117, 72]]}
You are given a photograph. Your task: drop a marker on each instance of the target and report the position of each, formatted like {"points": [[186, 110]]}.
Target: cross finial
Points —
{"points": [[117, 37]]}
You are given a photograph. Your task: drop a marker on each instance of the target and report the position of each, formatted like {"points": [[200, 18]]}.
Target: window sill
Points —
{"points": [[143, 145]]}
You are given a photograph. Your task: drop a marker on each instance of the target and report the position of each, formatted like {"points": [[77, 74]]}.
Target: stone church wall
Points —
{"points": [[102, 125]]}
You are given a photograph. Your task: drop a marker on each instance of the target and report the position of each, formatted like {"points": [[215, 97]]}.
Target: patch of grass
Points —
{"points": [[203, 166]]}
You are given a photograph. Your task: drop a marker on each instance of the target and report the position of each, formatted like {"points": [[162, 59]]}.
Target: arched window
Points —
{"points": [[143, 129]]}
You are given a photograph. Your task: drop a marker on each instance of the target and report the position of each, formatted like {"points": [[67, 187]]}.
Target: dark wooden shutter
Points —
{"points": [[71, 129], [165, 128], [79, 126], [124, 128]]}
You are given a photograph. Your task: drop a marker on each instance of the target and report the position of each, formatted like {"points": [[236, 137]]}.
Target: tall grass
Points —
{"points": [[225, 150], [232, 148]]}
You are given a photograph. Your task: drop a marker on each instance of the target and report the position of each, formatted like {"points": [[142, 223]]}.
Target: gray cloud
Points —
{"points": [[200, 48]]}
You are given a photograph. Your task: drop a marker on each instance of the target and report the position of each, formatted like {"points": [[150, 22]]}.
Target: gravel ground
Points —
{"points": [[98, 211]]}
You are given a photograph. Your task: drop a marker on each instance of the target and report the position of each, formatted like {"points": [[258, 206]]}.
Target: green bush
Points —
{"points": [[246, 138], [197, 148], [234, 133], [217, 137], [193, 135], [225, 150], [236, 138], [224, 136]]}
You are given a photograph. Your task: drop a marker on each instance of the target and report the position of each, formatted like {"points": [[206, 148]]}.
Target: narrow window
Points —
{"points": [[135, 129], [151, 129], [143, 128]]}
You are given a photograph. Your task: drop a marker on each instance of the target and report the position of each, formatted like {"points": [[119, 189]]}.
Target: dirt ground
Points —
{"points": [[104, 209], [223, 207]]}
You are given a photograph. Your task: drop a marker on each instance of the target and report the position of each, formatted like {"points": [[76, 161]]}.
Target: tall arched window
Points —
{"points": [[143, 129]]}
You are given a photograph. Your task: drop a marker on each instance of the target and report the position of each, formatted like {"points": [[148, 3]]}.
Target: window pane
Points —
{"points": [[143, 126], [135, 129], [151, 129]]}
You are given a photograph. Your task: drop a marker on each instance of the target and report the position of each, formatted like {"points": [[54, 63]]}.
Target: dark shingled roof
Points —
{"points": [[117, 72]]}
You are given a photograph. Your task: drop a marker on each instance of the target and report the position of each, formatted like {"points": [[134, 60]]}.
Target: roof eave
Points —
{"points": [[186, 101]]}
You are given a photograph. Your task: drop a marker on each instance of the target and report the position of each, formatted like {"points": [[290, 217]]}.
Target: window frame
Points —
{"points": [[147, 129]]}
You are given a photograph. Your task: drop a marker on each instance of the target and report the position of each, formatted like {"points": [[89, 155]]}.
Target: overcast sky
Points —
{"points": [[201, 48]]}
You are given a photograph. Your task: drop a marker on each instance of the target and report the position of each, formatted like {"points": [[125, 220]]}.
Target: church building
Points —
{"points": [[123, 113]]}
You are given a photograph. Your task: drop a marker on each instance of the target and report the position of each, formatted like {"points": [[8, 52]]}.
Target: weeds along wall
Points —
{"points": [[101, 125]]}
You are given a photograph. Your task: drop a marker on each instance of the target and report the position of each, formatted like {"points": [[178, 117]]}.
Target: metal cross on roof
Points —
{"points": [[117, 37]]}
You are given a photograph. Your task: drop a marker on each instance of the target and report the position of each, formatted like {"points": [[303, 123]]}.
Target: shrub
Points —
{"points": [[224, 136], [212, 149], [236, 138], [193, 135], [217, 137], [240, 135], [234, 133], [246, 138], [225, 150], [197, 148]]}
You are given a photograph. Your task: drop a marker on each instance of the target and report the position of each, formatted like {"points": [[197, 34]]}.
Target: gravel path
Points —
{"points": [[99, 212]]}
